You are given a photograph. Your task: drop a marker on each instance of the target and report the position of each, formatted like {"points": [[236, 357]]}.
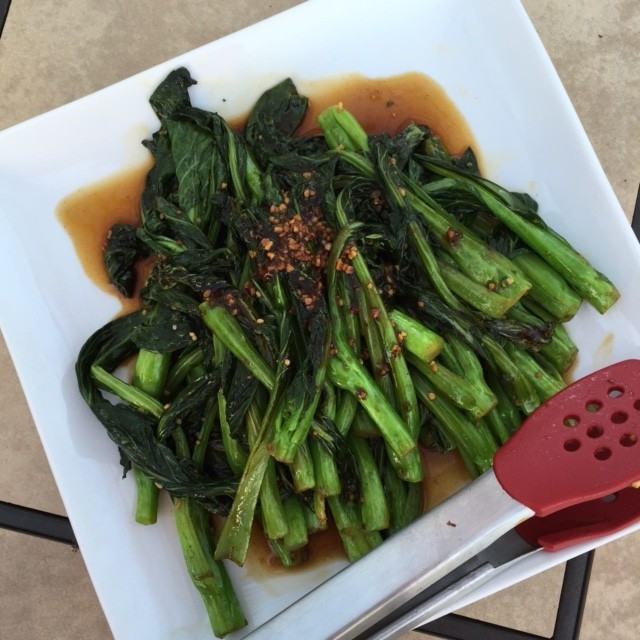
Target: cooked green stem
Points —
{"points": [[149, 375], [479, 263], [150, 372], [545, 383], [341, 130], [522, 390], [373, 504], [496, 425], [476, 295], [289, 559], [364, 426], [549, 288], [596, 288], [419, 340], [200, 448], [510, 416], [346, 412], [396, 493], [473, 372], [377, 358], [561, 351], [448, 357], [556, 251], [235, 454], [430, 265], [413, 503], [349, 305], [313, 523], [347, 404], [404, 391], [195, 372], [302, 469], [474, 441], [329, 402], [289, 437], [181, 368], [325, 469], [274, 521], [320, 508], [356, 541], [146, 499], [209, 577], [235, 169], [128, 393], [234, 539], [300, 407], [454, 387], [348, 373], [465, 394], [296, 537], [228, 330]]}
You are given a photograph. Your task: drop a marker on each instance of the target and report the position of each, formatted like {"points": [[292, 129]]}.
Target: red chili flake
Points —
{"points": [[453, 236]]}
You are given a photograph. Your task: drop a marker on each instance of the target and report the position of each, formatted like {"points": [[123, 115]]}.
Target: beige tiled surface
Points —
{"points": [[52, 52]]}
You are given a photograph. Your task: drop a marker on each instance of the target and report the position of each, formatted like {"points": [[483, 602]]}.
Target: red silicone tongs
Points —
{"points": [[579, 447]]}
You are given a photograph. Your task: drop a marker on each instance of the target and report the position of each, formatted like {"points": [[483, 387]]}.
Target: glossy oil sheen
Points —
{"points": [[381, 105], [388, 105]]}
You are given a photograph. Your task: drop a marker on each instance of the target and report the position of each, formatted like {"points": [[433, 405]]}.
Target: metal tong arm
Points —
{"points": [[423, 612]]}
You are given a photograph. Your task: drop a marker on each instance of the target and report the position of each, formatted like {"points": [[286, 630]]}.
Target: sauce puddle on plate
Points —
{"points": [[382, 105], [89, 213], [388, 105], [262, 562]]}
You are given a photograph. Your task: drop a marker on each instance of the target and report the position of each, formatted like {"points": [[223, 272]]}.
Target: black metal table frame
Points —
{"points": [[4, 10], [575, 583]]}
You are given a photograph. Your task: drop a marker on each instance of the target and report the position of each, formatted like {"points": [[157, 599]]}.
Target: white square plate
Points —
{"points": [[490, 62]]}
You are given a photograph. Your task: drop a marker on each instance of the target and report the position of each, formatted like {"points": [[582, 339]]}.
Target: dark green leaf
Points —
{"points": [[120, 256], [189, 405], [274, 119], [161, 180], [133, 431], [163, 330], [197, 163], [239, 393], [172, 93]]}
